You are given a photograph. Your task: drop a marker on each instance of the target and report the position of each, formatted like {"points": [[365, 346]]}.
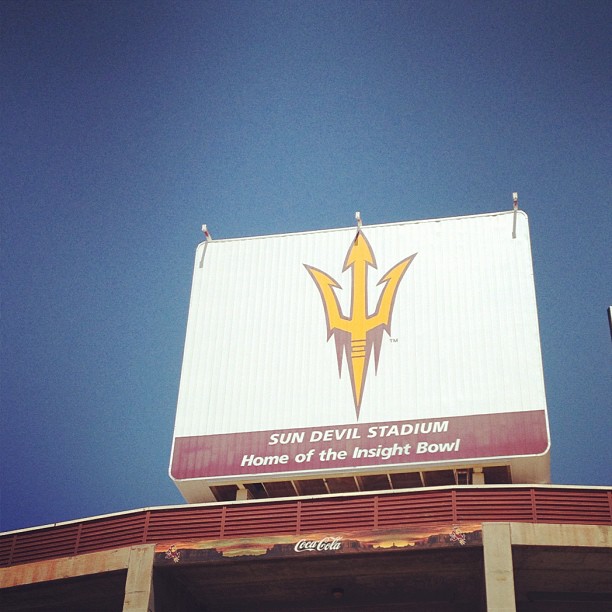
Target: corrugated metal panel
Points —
{"points": [[311, 515], [112, 533], [572, 507], [257, 364], [415, 509], [346, 513], [200, 523], [260, 520], [513, 505], [45, 544], [6, 548]]}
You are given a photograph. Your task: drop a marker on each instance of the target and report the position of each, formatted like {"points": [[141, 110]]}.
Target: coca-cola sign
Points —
{"points": [[324, 544]]}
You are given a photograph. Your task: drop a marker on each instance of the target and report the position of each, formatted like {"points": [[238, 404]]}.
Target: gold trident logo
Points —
{"points": [[357, 334]]}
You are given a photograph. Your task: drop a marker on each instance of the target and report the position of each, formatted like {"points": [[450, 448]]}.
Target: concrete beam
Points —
{"points": [[66, 567], [543, 534], [499, 572]]}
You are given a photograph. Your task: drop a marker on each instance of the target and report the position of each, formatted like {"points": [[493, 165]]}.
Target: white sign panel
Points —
{"points": [[391, 345]]}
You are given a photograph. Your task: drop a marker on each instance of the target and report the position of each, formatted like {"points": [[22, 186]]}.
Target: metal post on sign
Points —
{"points": [[208, 241], [206, 233], [358, 219], [515, 205]]}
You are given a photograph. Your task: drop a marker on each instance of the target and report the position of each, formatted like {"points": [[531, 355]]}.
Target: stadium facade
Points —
{"points": [[361, 425]]}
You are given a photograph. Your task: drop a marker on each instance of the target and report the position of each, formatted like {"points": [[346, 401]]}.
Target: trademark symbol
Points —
{"points": [[393, 340]]}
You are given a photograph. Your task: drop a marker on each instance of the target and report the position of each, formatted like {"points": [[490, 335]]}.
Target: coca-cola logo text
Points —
{"points": [[326, 544]]}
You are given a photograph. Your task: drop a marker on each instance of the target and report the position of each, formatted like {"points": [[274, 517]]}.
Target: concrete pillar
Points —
{"points": [[242, 494], [499, 573], [139, 582], [478, 476]]}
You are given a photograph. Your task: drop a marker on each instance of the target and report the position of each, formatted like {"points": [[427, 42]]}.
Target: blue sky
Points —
{"points": [[126, 125]]}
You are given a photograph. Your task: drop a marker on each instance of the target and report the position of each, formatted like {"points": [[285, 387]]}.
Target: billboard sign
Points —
{"points": [[354, 350]]}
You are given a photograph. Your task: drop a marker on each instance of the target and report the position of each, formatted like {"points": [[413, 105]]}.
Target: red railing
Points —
{"points": [[465, 504]]}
